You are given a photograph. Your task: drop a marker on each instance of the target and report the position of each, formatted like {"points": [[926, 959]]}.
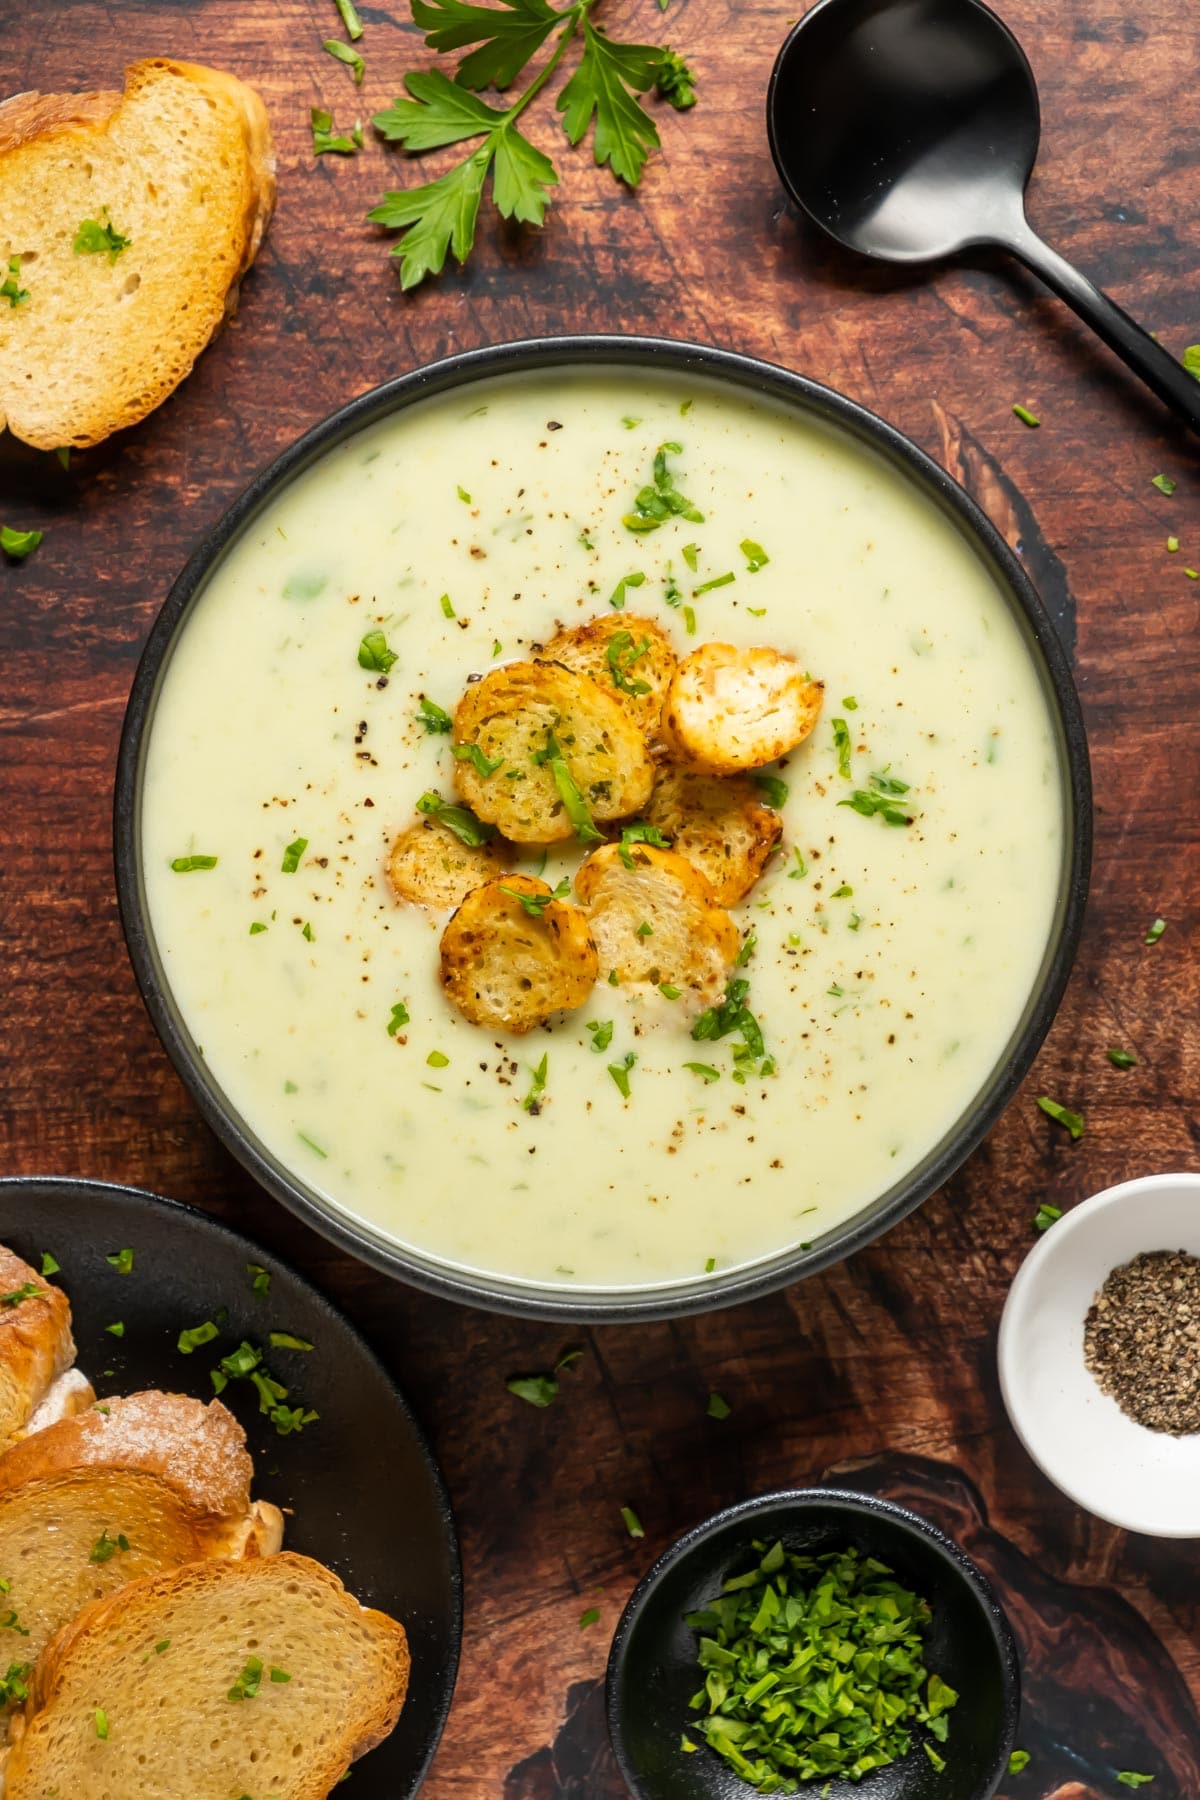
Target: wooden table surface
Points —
{"points": [[882, 1370]]}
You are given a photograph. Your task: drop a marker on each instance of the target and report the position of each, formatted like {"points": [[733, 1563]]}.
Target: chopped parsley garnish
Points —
{"points": [[601, 1033], [773, 790], [1122, 1059], [841, 743], [432, 716], [1172, 545], [195, 1336], [718, 581], [101, 1721], [749, 945], [183, 865], [373, 653], [27, 1291], [49, 1265], [248, 1682], [1155, 931], [10, 288], [536, 904], [1073, 1121], [879, 800], [1131, 1779], [325, 138], [447, 607], [307, 932], [1163, 483], [644, 930], [590, 1617], [710, 1265], [801, 868], [19, 544], [313, 1145], [260, 1280], [1046, 1216], [257, 927], [538, 1390], [1026, 417], [813, 1668], [733, 1015], [572, 799], [705, 1071], [105, 1548], [279, 1675], [842, 893], [633, 1524], [117, 1329], [437, 1059], [459, 819], [718, 1408], [620, 655], [689, 620], [617, 597], [756, 557], [662, 500], [122, 1261], [14, 1685], [850, 703], [532, 1102], [1191, 360], [94, 238], [482, 765], [286, 1340], [345, 54], [292, 855], [640, 833], [351, 22], [620, 1073], [691, 556], [1018, 1762], [669, 991], [399, 1017]]}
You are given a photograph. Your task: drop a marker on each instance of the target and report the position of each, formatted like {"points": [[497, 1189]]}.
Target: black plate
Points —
{"points": [[652, 1667], [757, 380], [368, 1498]]}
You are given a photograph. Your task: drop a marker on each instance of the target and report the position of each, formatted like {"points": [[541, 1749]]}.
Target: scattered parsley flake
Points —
{"points": [[617, 597], [705, 1071], [101, 1721], [773, 790], [116, 1329], [1018, 1762], [601, 1033], [292, 855], [195, 1336], [633, 1524], [19, 544], [620, 1073], [718, 581], [94, 238], [1155, 931], [1072, 1121], [1026, 417], [326, 139], [183, 865], [344, 54], [351, 22], [49, 1265], [590, 1617], [532, 1103], [399, 1017], [373, 653], [718, 1408], [10, 288], [459, 819], [661, 499], [122, 1261], [1046, 1216], [756, 557], [538, 1390], [1163, 483], [1122, 1059]]}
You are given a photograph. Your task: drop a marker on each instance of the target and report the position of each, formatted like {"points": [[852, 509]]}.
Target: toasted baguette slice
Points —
{"points": [[655, 920], [180, 165], [429, 866], [166, 1474], [729, 709], [513, 717], [719, 824], [36, 1348], [163, 1661], [628, 654], [509, 967]]}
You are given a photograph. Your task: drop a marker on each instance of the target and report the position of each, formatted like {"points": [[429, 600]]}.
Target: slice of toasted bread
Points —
{"points": [[36, 1346], [655, 920], [429, 866], [512, 955], [181, 166], [527, 729], [128, 1488], [719, 824], [264, 1679], [728, 709]]}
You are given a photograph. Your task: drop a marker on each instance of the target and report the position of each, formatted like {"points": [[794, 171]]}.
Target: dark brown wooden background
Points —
{"points": [[889, 1359]]}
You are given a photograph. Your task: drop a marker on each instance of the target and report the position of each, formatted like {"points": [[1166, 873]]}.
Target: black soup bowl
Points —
{"points": [[653, 1672], [628, 359]]}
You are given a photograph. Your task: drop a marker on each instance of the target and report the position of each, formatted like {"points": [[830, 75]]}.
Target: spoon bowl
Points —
{"points": [[908, 130]]}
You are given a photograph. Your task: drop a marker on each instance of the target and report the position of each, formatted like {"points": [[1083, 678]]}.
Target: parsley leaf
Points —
{"points": [[19, 544], [373, 653], [326, 139], [1072, 1121], [10, 288], [605, 86], [509, 35], [93, 239], [459, 819]]}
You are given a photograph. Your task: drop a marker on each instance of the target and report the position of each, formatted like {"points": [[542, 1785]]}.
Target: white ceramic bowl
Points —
{"points": [[1141, 1480]]}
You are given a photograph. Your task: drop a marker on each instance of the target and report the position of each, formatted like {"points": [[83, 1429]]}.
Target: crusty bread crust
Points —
{"points": [[93, 1656], [101, 342], [36, 1345]]}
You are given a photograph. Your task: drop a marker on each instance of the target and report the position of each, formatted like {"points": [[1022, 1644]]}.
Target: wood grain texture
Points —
{"points": [[889, 1358]]}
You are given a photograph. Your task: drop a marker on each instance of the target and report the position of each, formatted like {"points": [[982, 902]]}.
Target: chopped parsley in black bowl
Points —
{"points": [[906, 1659]]}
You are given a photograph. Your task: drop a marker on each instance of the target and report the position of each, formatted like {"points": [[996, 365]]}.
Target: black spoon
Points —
{"points": [[908, 129]]}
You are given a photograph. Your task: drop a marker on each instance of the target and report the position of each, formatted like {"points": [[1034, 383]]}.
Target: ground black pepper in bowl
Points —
{"points": [[1142, 1340]]}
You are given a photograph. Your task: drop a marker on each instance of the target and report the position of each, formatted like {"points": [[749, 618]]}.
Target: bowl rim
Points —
{"points": [[758, 379], [1055, 1245], [853, 1504]]}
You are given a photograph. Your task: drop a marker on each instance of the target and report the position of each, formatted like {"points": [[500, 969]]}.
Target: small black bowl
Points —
{"points": [[652, 1670]]}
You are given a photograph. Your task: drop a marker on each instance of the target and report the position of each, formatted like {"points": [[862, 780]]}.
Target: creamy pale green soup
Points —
{"points": [[890, 964]]}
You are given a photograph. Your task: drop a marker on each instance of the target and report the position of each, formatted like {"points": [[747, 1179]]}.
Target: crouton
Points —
{"points": [[628, 655], [429, 866], [728, 709], [719, 824], [655, 920], [541, 751], [512, 955]]}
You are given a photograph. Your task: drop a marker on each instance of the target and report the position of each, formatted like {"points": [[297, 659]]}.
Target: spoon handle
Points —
{"points": [[1136, 348]]}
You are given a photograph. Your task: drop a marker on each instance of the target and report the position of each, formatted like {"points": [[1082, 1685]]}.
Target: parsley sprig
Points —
{"points": [[603, 95]]}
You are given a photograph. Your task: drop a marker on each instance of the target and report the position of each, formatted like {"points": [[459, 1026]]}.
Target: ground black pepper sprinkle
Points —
{"points": [[1141, 1340]]}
